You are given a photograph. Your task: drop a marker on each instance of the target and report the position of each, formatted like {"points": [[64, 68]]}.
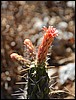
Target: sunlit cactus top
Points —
{"points": [[48, 38], [30, 48], [13, 55], [19, 58], [29, 45]]}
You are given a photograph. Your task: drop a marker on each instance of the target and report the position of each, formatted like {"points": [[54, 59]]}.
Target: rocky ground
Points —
{"points": [[24, 19]]}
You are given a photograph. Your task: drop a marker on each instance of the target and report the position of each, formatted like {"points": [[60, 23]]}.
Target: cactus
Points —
{"points": [[38, 79]]}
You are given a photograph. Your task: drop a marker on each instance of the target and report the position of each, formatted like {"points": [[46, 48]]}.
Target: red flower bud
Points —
{"points": [[48, 38]]}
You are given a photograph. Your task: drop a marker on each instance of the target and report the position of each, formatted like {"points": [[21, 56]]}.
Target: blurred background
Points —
{"points": [[24, 19]]}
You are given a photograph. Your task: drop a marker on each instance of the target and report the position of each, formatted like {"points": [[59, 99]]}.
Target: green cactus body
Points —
{"points": [[38, 80]]}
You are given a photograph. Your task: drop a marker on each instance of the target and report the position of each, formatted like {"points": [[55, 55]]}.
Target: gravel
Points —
{"points": [[24, 19]]}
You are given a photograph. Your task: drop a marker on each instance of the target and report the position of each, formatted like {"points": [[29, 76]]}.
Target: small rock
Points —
{"points": [[62, 25], [38, 24], [8, 79], [46, 19], [67, 72], [71, 4], [20, 27], [4, 4], [34, 38], [7, 73], [71, 26], [52, 21], [13, 43], [67, 35], [4, 22], [7, 26], [22, 2]]}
